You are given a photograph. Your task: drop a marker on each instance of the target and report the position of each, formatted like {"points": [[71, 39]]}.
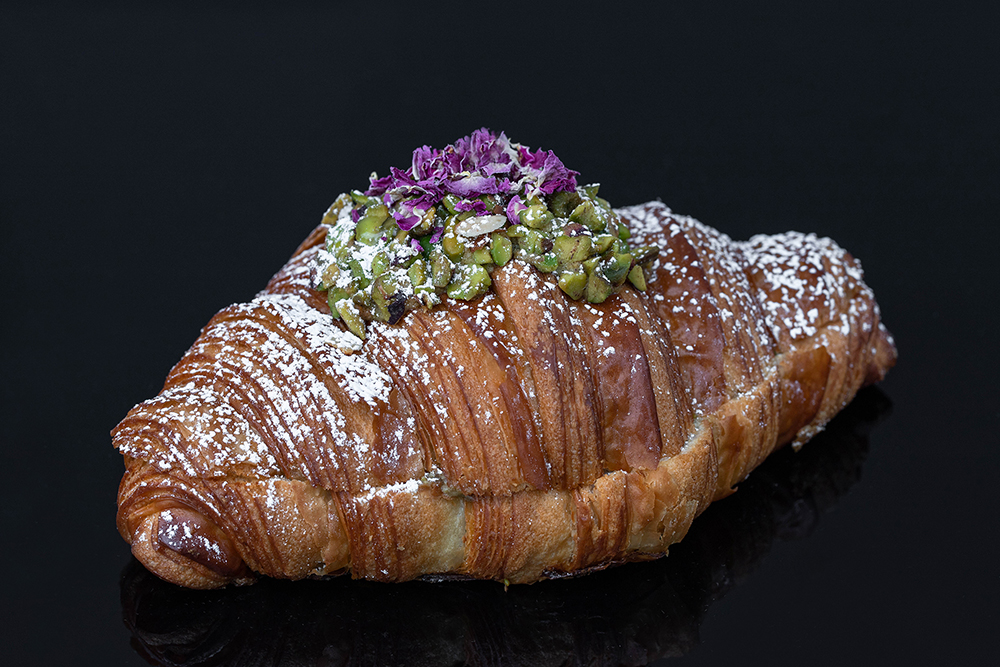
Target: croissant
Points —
{"points": [[518, 436]]}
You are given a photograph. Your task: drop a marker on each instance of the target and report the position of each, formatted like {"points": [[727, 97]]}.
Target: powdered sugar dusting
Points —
{"points": [[801, 280], [356, 374]]}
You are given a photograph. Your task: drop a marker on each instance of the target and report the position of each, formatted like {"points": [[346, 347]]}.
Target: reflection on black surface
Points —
{"points": [[625, 616]]}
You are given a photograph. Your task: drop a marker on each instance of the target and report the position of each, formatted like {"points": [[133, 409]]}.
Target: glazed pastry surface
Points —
{"points": [[516, 437]]}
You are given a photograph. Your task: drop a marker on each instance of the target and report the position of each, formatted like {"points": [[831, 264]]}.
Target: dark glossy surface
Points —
{"points": [[157, 165]]}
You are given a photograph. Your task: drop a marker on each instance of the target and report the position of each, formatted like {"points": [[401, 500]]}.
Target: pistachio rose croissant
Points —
{"points": [[515, 433]]}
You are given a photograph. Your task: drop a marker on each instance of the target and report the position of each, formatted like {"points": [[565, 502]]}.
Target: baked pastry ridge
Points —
{"points": [[519, 436]]}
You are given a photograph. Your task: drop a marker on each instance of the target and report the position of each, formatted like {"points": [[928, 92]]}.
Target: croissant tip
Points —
{"points": [[181, 546], [884, 356]]}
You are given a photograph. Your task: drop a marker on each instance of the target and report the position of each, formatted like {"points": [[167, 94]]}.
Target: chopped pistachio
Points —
{"points": [[572, 248], [368, 231], [379, 308], [417, 272], [620, 247], [645, 253], [328, 278], [616, 268], [332, 213], [603, 242], [637, 278], [546, 263], [452, 246], [426, 222], [482, 256], [536, 216], [352, 318], [562, 203], [586, 214], [380, 262], [501, 249], [441, 268], [469, 281], [598, 288], [492, 203], [573, 283], [358, 273]]}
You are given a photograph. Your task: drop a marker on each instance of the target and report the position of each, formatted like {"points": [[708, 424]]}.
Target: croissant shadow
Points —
{"points": [[628, 615]]}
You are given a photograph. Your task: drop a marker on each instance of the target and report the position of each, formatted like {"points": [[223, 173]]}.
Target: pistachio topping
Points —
{"points": [[444, 225]]}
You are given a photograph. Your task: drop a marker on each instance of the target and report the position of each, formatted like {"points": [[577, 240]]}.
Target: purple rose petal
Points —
{"points": [[515, 206], [472, 205], [482, 163]]}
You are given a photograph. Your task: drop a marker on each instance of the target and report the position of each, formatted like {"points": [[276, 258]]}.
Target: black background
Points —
{"points": [[159, 164]]}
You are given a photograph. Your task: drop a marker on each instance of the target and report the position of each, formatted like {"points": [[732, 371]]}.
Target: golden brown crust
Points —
{"points": [[517, 437]]}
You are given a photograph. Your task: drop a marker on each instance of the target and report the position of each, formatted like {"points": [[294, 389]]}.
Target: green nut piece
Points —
{"points": [[378, 308], [572, 248], [501, 249], [358, 273], [470, 281], [598, 288], [536, 216], [441, 268], [546, 263], [516, 231], [377, 211], [616, 268], [380, 262], [620, 247], [573, 283], [369, 229], [339, 240], [623, 231], [335, 294], [452, 246], [646, 253], [417, 272], [532, 242], [637, 278], [332, 213], [591, 190], [561, 203], [352, 318], [586, 214], [329, 276], [603, 242], [590, 265], [363, 301], [492, 203], [386, 284], [482, 256]]}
